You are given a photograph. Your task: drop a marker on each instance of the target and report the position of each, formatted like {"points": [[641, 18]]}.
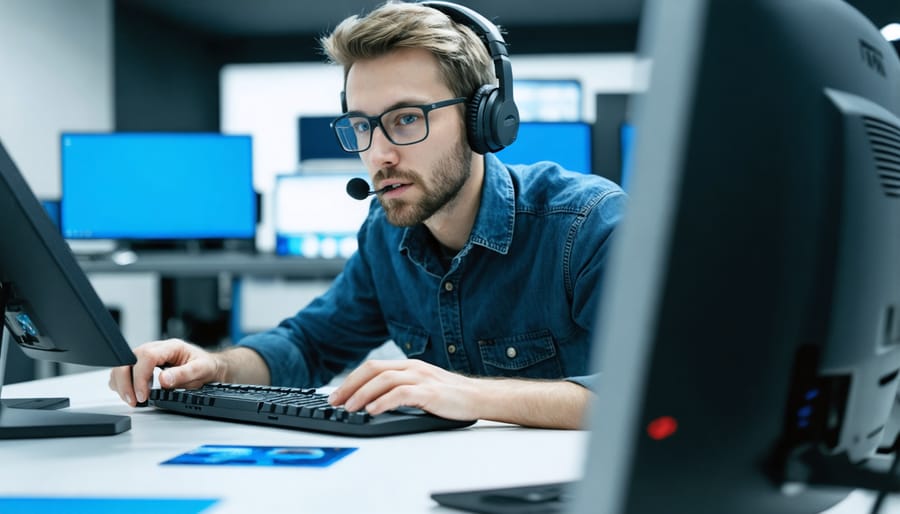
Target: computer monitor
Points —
{"points": [[157, 186], [50, 310], [749, 335], [52, 208], [316, 139], [548, 99], [627, 136], [314, 216], [567, 143]]}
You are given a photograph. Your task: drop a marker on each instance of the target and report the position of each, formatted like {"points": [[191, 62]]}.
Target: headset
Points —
{"points": [[492, 118]]}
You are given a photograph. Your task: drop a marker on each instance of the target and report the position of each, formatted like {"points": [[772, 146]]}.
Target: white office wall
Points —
{"points": [[265, 100], [55, 75]]}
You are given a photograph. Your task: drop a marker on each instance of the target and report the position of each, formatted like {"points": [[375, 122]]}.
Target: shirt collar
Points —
{"points": [[496, 217], [494, 224]]}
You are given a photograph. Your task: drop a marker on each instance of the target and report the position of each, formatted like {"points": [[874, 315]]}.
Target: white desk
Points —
{"points": [[392, 475]]}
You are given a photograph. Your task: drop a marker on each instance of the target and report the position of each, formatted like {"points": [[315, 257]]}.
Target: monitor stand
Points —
{"points": [[49, 403], [43, 421]]}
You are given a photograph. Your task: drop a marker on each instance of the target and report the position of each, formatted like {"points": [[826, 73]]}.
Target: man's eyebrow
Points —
{"points": [[395, 105]]}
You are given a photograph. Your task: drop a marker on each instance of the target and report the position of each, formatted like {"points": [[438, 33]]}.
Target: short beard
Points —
{"points": [[451, 173]]}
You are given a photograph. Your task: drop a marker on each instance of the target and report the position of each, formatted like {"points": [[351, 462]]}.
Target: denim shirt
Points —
{"points": [[518, 300]]}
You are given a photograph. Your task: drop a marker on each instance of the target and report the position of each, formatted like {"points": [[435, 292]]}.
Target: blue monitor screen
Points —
{"points": [[566, 143], [157, 186], [626, 138], [317, 140], [52, 208]]}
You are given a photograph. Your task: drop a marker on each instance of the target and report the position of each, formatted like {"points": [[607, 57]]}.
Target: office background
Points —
{"points": [[168, 65]]}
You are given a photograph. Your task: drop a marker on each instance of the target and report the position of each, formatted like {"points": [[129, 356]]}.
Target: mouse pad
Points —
{"points": [[227, 455]]}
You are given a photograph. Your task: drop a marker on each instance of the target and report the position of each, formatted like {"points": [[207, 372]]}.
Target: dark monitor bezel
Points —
{"points": [[50, 310]]}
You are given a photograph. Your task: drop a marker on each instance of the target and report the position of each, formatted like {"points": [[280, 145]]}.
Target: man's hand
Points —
{"points": [[378, 386], [381, 385], [189, 366]]}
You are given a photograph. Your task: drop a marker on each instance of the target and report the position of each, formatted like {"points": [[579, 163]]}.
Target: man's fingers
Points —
{"points": [[401, 395], [120, 382], [133, 383], [191, 375], [379, 385], [361, 376]]}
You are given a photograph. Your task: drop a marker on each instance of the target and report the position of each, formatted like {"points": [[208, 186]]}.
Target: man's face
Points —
{"points": [[431, 172]]}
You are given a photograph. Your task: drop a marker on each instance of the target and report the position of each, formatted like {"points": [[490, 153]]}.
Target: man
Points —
{"points": [[486, 276]]}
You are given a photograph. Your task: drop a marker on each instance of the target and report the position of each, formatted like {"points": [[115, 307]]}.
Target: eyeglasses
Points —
{"points": [[406, 125]]}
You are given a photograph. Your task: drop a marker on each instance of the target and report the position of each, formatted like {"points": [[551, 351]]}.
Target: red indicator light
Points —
{"points": [[662, 427]]}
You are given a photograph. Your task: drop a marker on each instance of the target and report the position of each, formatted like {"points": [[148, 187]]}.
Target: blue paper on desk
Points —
{"points": [[228, 455], [37, 505]]}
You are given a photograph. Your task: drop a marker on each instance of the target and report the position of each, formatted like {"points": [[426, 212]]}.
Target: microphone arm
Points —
{"points": [[358, 189]]}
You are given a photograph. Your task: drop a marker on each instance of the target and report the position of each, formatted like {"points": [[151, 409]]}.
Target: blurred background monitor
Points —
{"points": [[157, 186], [316, 140], [548, 99], [565, 142], [626, 142], [52, 209], [612, 134], [314, 216]]}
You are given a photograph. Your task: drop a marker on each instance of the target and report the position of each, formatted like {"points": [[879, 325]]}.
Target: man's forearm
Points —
{"points": [[242, 366], [535, 403]]}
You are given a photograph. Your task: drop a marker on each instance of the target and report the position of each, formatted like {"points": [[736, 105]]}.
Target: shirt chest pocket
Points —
{"points": [[413, 341], [530, 355]]}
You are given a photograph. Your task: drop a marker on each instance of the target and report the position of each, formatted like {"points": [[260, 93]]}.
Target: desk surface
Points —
{"points": [[392, 475]]}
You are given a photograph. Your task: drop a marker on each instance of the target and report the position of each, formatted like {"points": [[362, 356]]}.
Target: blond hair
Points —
{"points": [[464, 61]]}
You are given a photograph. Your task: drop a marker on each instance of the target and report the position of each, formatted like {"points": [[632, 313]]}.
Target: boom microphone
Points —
{"points": [[358, 189]]}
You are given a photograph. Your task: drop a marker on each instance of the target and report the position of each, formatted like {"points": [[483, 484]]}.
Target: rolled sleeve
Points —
{"points": [[586, 381]]}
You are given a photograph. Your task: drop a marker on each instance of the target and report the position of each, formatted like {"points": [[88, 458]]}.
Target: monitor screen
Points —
{"points": [[50, 310], [157, 186], [748, 340], [314, 216], [317, 139], [52, 208], [548, 99], [567, 143], [626, 151]]}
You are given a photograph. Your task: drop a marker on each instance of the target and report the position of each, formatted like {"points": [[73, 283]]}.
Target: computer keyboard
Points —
{"points": [[289, 407]]}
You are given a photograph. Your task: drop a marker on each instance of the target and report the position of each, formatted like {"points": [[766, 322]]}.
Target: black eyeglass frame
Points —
{"points": [[375, 122]]}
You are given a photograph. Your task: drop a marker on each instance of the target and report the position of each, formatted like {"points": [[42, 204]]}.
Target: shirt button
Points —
{"points": [[408, 346], [511, 352], [451, 349], [448, 286]]}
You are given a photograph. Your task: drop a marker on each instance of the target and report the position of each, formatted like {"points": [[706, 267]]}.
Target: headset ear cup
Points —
{"points": [[477, 119]]}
